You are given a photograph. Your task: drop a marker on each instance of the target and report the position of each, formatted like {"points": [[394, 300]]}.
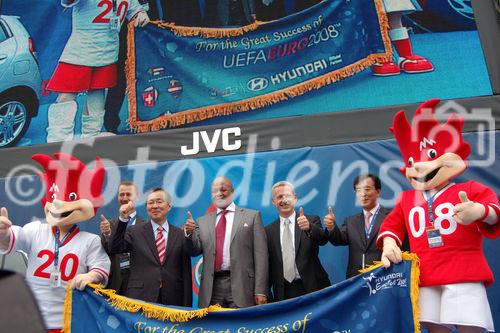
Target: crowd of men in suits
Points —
{"points": [[244, 264]]}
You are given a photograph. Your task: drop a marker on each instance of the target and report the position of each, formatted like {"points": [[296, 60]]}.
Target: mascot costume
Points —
{"points": [[58, 251], [88, 64], [445, 223]]}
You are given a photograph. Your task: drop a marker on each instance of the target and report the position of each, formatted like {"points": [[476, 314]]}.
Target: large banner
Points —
{"points": [[180, 75], [379, 300], [175, 77]]}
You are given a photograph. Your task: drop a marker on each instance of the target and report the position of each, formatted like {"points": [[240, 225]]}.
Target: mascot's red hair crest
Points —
{"points": [[67, 179], [426, 139]]}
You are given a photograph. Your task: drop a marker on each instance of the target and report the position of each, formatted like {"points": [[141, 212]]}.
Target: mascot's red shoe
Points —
{"points": [[414, 64], [385, 69]]}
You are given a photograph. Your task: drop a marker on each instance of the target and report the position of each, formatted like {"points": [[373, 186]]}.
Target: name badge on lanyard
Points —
{"points": [[434, 237], [114, 21], [55, 274]]}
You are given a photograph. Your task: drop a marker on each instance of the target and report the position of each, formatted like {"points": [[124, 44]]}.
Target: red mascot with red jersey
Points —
{"points": [[445, 223], [58, 251]]}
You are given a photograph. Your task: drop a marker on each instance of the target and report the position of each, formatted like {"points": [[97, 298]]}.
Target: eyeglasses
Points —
{"points": [[364, 189], [157, 201]]}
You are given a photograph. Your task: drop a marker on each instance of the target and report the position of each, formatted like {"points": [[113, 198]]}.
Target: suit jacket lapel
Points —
{"points": [[376, 226], [149, 239], [172, 239], [360, 227], [211, 226], [238, 217], [276, 241], [298, 234]]}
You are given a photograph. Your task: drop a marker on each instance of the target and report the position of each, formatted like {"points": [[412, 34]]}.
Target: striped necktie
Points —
{"points": [[161, 244]]}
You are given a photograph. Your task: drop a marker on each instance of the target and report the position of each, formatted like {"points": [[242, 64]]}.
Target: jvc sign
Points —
{"points": [[209, 141]]}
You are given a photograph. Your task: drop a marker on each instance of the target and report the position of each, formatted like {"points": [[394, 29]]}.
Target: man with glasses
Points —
{"points": [[160, 264], [360, 231], [293, 241]]}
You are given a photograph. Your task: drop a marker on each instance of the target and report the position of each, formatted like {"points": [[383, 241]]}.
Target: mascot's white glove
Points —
{"points": [[468, 211], [82, 280], [391, 252], [141, 19], [5, 225]]}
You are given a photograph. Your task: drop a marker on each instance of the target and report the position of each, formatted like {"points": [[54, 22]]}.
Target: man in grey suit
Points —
{"points": [[234, 247], [360, 231]]}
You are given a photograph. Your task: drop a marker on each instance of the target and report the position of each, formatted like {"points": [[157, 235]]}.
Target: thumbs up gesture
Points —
{"points": [[468, 211], [302, 221], [329, 219], [190, 224], [126, 210], [5, 225], [105, 226]]}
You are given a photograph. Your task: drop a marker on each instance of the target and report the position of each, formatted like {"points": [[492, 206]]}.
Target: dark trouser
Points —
{"points": [[294, 289], [236, 13], [221, 292]]}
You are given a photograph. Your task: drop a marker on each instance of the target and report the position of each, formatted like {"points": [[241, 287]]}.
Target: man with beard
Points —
{"points": [[233, 243]]}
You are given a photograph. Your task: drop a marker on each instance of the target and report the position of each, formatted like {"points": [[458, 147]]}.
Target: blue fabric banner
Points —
{"points": [[355, 305], [179, 75]]}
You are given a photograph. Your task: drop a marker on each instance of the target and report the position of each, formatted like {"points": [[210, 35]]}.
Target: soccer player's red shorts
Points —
{"points": [[69, 78]]}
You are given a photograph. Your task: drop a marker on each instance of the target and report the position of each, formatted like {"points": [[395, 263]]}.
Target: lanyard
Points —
{"points": [[430, 202], [372, 222], [57, 244], [430, 210]]}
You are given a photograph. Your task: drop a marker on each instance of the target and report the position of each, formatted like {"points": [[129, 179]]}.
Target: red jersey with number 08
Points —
{"points": [[460, 259]]}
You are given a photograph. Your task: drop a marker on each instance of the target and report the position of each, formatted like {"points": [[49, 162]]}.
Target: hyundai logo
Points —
{"points": [[257, 84]]}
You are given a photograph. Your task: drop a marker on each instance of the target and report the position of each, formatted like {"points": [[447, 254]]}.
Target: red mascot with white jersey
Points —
{"points": [[58, 251], [88, 64], [445, 223]]}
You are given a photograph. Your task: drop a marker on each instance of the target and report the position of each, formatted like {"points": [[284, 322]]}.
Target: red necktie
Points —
{"points": [[220, 235], [160, 243]]}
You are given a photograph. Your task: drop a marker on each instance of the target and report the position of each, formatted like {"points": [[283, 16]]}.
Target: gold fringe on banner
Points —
{"points": [[66, 327], [208, 32], [226, 109], [149, 310], [152, 310], [414, 284]]}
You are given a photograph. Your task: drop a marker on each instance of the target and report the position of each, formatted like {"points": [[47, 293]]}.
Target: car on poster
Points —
{"points": [[20, 80]]}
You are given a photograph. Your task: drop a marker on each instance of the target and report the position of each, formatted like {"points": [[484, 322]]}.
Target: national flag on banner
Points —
{"points": [[150, 96]]}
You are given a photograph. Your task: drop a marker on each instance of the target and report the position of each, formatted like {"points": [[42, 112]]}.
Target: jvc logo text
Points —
{"points": [[229, 143]]}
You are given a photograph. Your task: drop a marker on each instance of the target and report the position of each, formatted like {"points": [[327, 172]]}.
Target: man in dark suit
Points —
{"points": [[160, 264], [120, 263], [360, 231], [235, 259], [293, 242]]}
